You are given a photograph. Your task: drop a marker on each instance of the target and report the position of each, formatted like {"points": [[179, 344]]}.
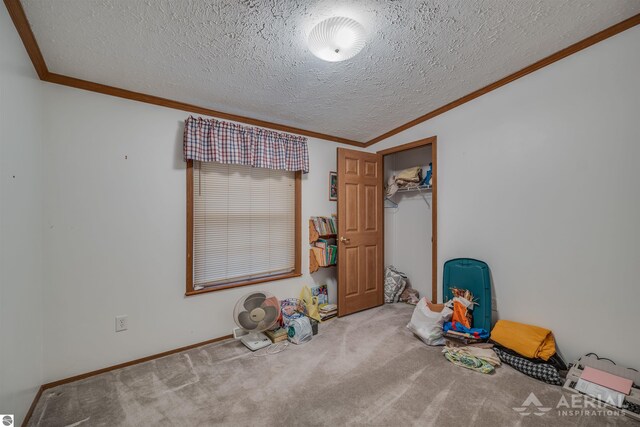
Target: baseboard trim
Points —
{"points": [[74, 378], [27, 417]]}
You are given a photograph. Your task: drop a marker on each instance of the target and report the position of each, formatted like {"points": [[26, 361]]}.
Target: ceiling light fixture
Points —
{"points": [[336, 39]]}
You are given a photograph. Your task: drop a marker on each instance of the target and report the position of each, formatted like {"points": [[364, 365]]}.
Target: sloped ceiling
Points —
{"points": [[249, 57]]}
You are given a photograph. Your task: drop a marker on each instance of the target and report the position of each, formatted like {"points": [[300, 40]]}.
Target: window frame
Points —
{"points": [[297, 270]]}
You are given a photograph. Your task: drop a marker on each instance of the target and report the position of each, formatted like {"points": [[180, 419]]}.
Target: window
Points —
{"points": [[243, 225]]}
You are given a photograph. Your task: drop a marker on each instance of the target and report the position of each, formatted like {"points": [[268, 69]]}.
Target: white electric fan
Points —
{"points": [[255, 313]]}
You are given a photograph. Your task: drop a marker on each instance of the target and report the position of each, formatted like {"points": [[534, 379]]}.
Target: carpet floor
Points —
{"points": [[363, 369]]}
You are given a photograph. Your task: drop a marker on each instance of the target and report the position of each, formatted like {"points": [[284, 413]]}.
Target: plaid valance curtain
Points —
{"points": [[211, 140]]}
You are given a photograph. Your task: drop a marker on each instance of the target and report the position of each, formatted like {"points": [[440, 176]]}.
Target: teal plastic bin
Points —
{"points": [[471, 274]]}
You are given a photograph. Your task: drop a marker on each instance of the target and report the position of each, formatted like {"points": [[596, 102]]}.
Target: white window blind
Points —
{"points": [[243, 223]]}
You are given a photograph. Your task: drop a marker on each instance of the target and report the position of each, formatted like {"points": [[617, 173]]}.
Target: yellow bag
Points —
{"points": [[311, 303], [530, 341]]}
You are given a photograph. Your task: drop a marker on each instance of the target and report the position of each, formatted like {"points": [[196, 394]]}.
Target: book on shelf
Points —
{"points": [[325, 225], [321, 243], [322, 235], [325, 253]]}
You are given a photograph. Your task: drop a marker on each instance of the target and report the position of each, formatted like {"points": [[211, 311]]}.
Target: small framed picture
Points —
{"points": [[333, 186]]}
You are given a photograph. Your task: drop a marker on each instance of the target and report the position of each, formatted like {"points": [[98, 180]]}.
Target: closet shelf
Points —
{"points": [[418, 188], [327, 236], [314, 265]]}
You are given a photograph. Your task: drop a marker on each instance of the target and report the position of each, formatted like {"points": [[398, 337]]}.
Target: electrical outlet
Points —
{"points": [[122, 323]]}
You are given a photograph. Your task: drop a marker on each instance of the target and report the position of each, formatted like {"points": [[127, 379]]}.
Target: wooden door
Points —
{"points": [[360, 231]]}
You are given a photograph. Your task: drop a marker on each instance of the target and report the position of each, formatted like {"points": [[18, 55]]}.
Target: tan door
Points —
{"points": [[360, 222]]}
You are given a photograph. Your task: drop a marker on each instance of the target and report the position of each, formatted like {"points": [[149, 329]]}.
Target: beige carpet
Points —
{"points": [[363, 369]]}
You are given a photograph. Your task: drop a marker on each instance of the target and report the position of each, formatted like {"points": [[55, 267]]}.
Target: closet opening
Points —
{"points": [[410, 197]]}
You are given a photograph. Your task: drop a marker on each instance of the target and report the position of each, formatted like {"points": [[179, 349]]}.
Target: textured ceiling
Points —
{"points": [[249, 57]]}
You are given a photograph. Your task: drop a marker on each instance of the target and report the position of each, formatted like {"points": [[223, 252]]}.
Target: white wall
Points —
{"points": [[407, 228], [536, 178], [115, 234], [20, 225], [540, 180]]}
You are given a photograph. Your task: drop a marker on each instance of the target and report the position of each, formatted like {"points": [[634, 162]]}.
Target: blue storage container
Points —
{"points": [[471, 274]]}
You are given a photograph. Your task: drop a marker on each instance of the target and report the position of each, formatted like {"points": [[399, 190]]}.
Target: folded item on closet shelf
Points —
{"points": [[406, 184], [413, 174], [530, 341], [408, 178], [392, 187]]}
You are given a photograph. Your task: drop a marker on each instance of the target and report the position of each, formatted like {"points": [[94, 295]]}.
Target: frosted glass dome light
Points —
{"points": [[336, 39]]}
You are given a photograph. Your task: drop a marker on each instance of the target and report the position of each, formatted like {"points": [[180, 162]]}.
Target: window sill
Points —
{"points": [[243, 283]]}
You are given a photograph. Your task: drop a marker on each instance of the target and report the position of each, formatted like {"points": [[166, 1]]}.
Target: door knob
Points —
{"points": [[344, 239]]}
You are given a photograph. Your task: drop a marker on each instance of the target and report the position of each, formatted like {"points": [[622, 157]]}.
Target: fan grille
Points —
{"points": [[257, 311]]}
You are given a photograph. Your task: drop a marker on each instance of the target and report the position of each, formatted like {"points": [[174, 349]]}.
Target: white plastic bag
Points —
{"points": [[300, 330], [427, 324]]}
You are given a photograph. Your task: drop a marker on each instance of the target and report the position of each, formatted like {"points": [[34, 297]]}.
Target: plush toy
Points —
{"points": [[427, 176], [410, 295]]}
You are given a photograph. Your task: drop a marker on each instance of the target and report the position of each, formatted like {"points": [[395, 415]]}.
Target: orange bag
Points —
{"points": [[460, 315]]}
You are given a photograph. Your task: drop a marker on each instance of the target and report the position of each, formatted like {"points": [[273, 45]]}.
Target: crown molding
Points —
{"points": [[576, 47], [16, 12], [23, 27], [177, 105], [28, 39]]}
